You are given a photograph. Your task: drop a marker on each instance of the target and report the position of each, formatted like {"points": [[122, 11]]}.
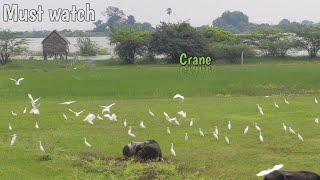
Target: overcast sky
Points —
{"points": [[200, 12]]}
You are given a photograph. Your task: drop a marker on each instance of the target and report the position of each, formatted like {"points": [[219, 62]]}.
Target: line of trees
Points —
{"points": [[171, 40]]}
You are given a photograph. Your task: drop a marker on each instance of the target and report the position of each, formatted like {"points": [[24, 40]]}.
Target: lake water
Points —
{"points": [[34, 44]]}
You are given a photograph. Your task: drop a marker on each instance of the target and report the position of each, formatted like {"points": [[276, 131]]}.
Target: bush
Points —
{"points": [[87, 47]]}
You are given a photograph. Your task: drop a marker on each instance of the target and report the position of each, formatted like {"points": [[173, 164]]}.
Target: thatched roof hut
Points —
{"points": [[55, 45]]}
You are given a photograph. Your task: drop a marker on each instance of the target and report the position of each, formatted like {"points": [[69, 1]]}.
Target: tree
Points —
{"points": [[172, 40], [9, 46], [130, 43], [273, 42], [235, 21], [310, 40], [87, 47], [116, 19]]}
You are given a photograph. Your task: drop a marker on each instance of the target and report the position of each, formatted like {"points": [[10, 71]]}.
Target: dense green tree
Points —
{"points": [[273, 42], [172, 40], [10, 45], [130, 43], [310, 40], [234, 21]]}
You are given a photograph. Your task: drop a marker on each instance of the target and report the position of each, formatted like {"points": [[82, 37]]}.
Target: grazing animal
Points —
{"points": [[143, 151], [286, 175]]}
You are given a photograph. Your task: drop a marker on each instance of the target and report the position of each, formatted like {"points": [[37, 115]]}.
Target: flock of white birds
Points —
{"points": [[106, 113]]}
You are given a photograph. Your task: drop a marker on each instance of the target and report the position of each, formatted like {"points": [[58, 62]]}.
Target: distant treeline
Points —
{"points": [[234, 22]]}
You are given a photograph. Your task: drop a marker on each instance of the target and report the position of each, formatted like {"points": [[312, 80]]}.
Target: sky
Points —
{"points": [[198, 12]]}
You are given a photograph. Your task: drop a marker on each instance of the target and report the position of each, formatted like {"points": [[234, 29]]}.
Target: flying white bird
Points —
{"points": [[316, 121], [191, 122], [86, 142], [41, 147], [292, 131], [201, 132], [32, 100], [260, 137], [36, 125], [316, 100], [227, 139], [229, 125], [260, 110], [99, 117], [216, 131], [64, 116], [168, 130], [130, 132], [268, 171], [300, 137], [107, 108], [276, 105], [151, 113], [67, 102], [112, 117], [10, 127], [25, 110], [168, 118], [245, 131], [125, 123], [186, 137], [215, 135], [142, 125], [13, 113], [173, 152], [286, 101], [257, 127], [182, 113], [77, 114], [90, 118], [284, 127], [178, 96], [17, 82], [13, 139]]}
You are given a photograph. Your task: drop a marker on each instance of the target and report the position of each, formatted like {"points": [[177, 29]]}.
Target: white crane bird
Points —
{"points": [[201, 132], [168, 130], [227, 139], [142, 125], [77, 114], [191, 122], [186, 137], [173, 152], [90, 118], [182, 113], [178, 96], [284, 127], [245, 131], [130, 133], [151, 113], [67, 102], [17, 81], [107, 108], [229, 125], [260, 109], [13, 139], [86, 142], [36, 125], [276, 105], [41, 147]]}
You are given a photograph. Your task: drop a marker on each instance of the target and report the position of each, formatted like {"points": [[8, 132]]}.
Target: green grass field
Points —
{"points": [[213, 97]]}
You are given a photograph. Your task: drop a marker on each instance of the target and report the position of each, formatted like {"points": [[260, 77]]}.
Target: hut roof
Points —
{"points": [[55, 32]]}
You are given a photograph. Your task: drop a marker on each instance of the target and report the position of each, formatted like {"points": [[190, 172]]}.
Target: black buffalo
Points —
{"points": [[143, 151], [286, 175]]}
